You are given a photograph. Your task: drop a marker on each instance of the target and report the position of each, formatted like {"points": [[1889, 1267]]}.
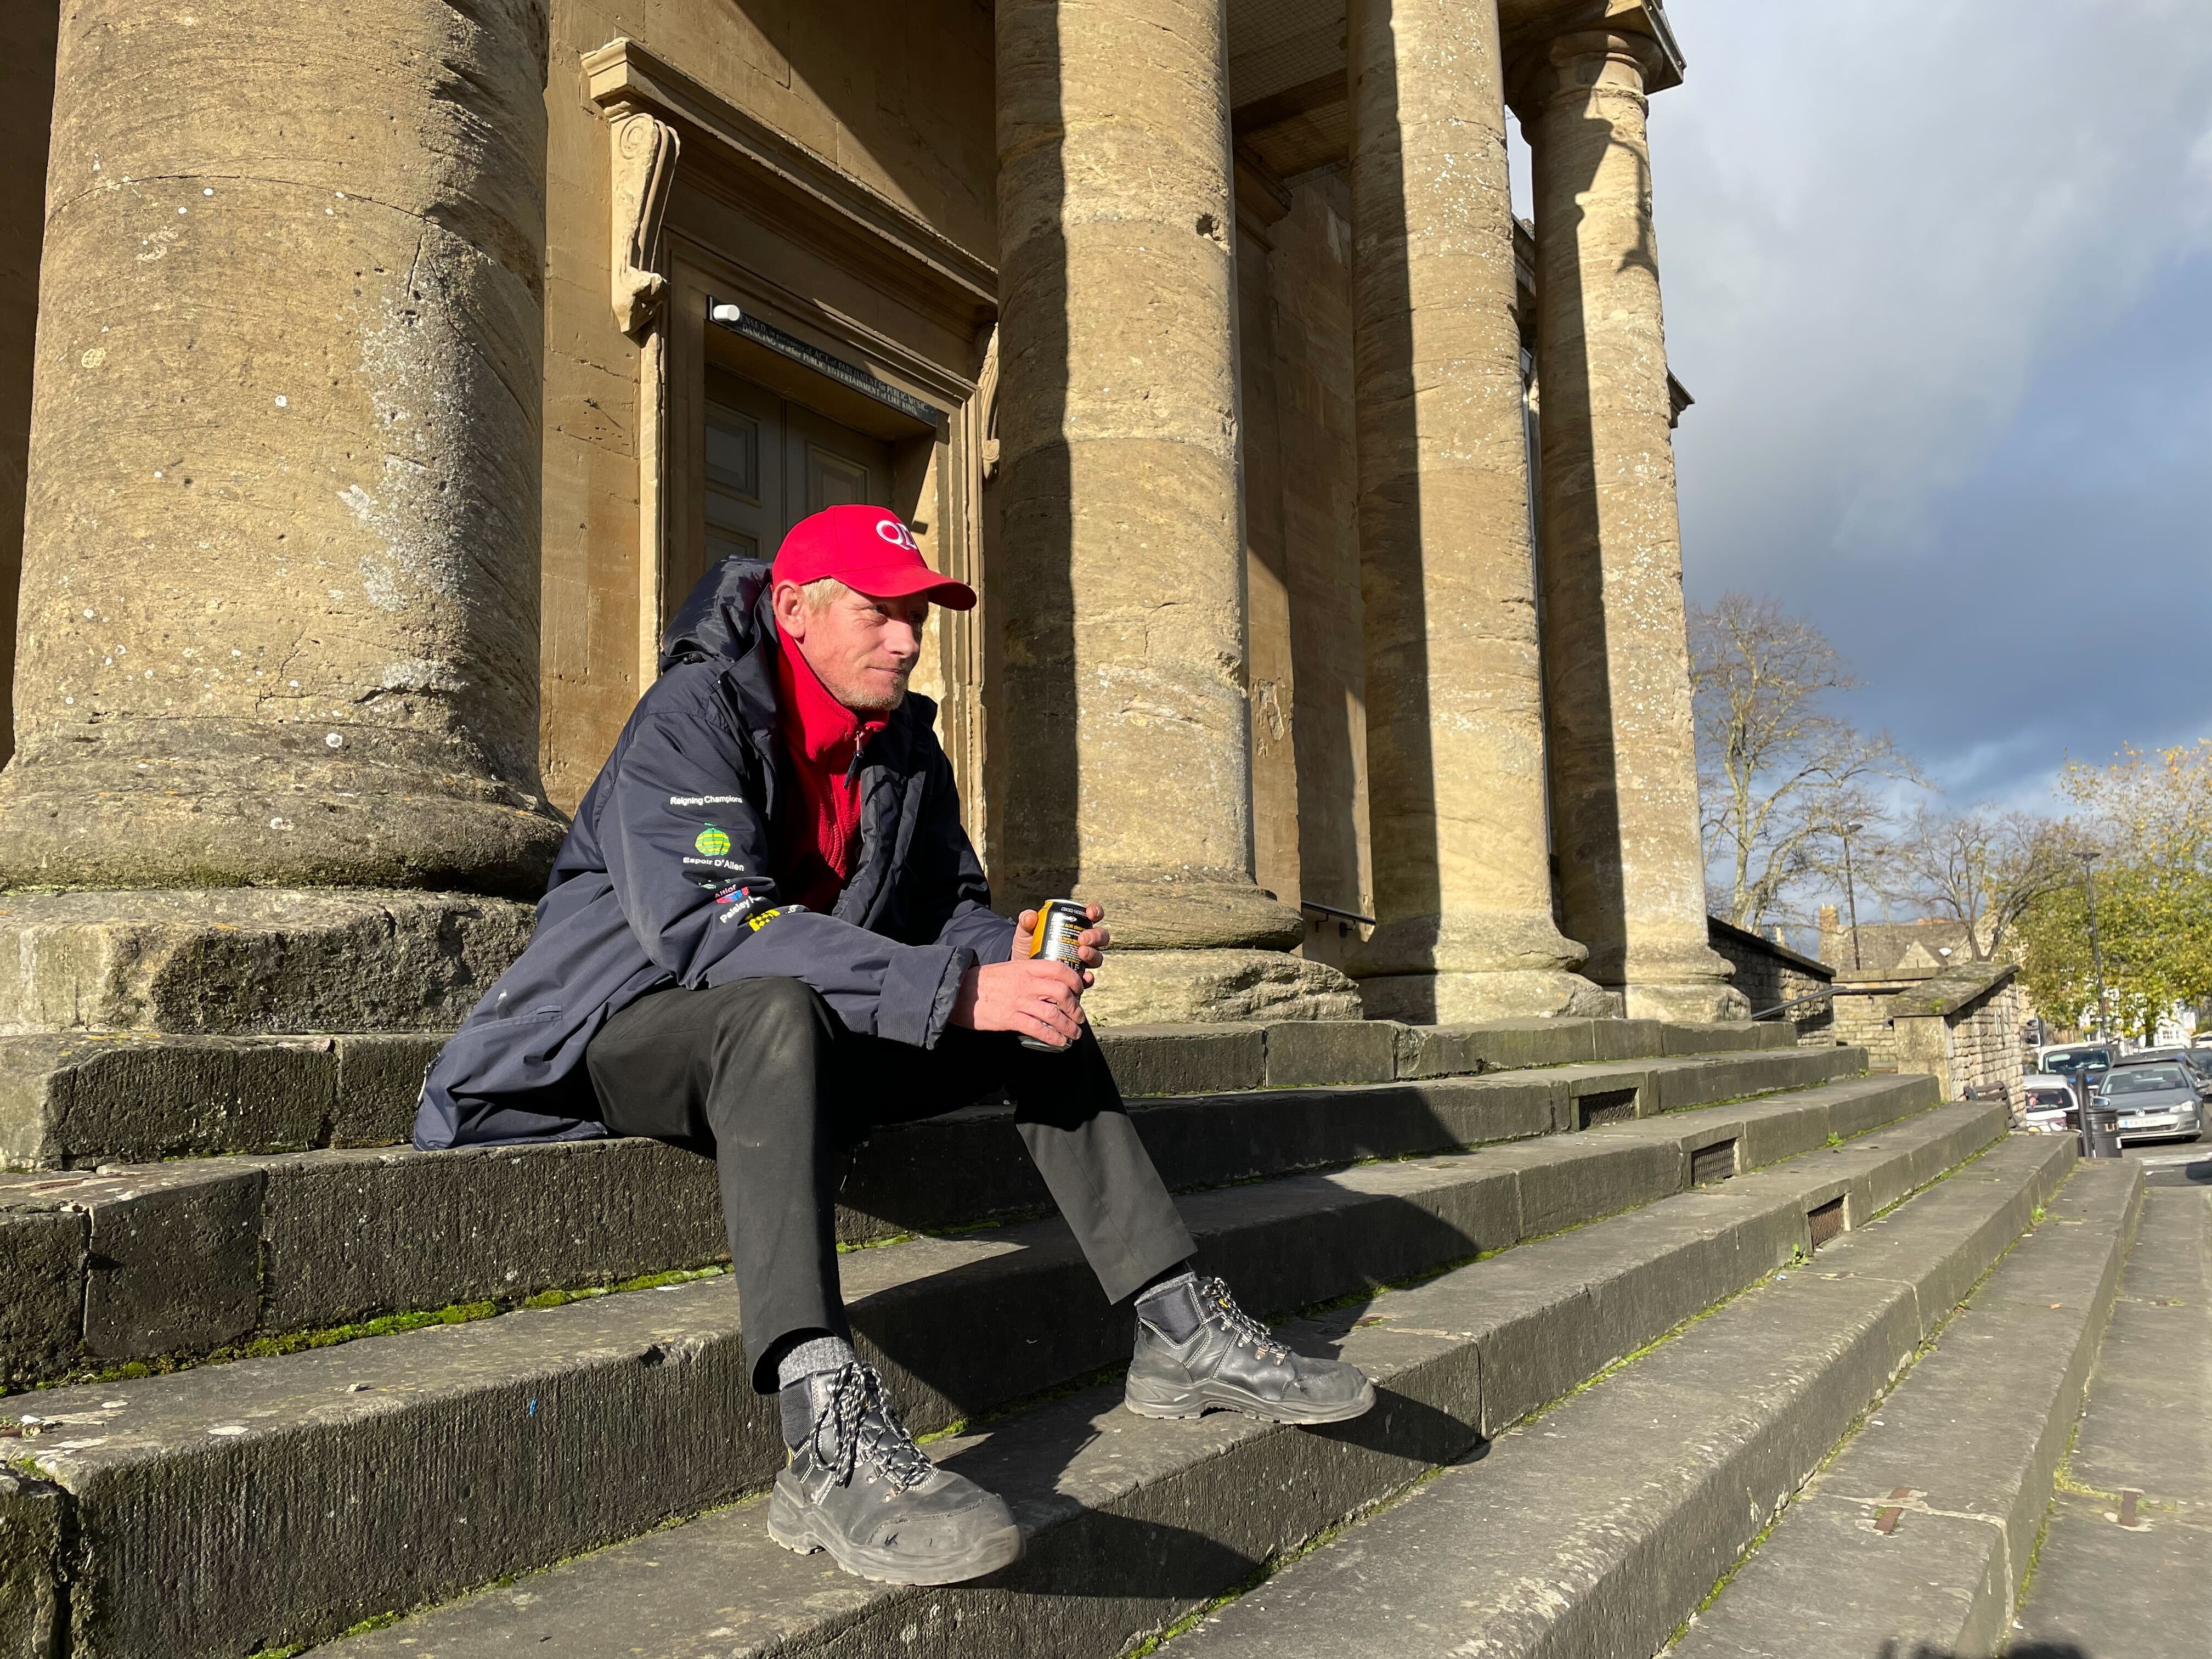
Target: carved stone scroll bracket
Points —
{"points": [[986, 403], [644, 151]]}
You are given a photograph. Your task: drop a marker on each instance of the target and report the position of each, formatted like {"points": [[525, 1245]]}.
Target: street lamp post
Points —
{"points": [[1850, 893], [2096, 949]]}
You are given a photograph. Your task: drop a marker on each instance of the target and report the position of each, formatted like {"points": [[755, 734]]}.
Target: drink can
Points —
{"points": [[1060, 922]]}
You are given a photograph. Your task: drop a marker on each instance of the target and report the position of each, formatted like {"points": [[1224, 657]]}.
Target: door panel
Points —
{"points": [[743, 492], [769, 463], [833, 465]]}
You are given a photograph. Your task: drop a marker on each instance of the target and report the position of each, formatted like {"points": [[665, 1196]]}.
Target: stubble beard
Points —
{"points": [[880, 702]]}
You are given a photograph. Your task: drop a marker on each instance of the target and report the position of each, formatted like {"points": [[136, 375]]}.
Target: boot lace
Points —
{"points": [[1213, 1294], [857, 1414]]}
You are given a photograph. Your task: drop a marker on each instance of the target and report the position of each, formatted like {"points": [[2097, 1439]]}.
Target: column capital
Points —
{"points": [[1579, 61]]}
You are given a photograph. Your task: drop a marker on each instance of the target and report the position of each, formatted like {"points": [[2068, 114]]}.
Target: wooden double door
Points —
{"points": [[769, 462]]}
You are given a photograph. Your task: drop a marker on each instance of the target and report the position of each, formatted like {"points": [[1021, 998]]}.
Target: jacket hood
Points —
{"points": [[725, 617]]}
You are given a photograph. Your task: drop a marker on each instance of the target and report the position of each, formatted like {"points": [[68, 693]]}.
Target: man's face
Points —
{"points": [[861, 650]]}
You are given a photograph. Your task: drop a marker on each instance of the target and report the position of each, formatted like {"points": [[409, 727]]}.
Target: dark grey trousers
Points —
{"points": [[761, 1076]]}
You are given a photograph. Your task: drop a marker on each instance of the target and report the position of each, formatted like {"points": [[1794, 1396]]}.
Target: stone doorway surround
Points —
{"points": [[749, 220]]}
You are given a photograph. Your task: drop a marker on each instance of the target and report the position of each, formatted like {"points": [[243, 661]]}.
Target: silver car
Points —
{"points": [[2157, 1102]]}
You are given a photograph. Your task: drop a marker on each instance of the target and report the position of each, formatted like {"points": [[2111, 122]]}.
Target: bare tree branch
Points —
{"points": [[1781, 777], [1982, 867]]}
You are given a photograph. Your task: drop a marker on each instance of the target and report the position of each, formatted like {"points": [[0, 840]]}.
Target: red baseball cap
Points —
{"points": [[871, 550]]}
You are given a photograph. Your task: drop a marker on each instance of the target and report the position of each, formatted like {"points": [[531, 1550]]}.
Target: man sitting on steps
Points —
{"points": [[766, 934]]}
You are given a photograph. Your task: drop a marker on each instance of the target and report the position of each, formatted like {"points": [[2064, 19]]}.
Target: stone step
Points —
{"points": [[135, 1263], [1594, 1531], [80, 1099], [1917, 1536], [1132, 1523], [401, 1468], [2124, 1567]]}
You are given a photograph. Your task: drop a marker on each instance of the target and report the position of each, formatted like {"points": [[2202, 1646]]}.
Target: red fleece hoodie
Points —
{"points": [[818, 835]]}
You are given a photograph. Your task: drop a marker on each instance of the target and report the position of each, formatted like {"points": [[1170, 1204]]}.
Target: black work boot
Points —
{"points": [[1197, 1350], [858, 1487]]}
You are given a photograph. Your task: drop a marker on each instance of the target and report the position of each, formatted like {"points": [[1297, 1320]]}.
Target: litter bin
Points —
{"points": [[2102, 1138]]}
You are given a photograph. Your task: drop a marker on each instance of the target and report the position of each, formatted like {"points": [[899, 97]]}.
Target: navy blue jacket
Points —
{"points": [[667, 879]]}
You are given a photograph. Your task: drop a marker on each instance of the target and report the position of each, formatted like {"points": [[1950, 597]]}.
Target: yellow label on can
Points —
{"points": [[1059, 923]]}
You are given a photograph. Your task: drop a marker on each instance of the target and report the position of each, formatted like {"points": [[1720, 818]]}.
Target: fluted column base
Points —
{"points": [[1694, 1002], [1458, 998], [1479, 964], [1141, 988], [199, 804]]}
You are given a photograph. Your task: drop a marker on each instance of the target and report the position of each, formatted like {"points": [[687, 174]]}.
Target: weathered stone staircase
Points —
{"points": [[1549, 1199]]}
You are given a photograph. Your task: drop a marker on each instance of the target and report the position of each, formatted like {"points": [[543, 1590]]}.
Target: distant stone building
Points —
{"points": [[400, 365], [1927, 945], [1890, 957]]}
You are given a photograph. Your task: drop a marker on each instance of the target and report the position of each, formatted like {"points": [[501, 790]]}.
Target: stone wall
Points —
{"points": [[1862, 1022], [1962, 1028], [1771, 974], [1985, 1051]]}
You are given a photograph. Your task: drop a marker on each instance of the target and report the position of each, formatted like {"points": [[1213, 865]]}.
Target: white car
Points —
{"points": [[2048, 1103]]}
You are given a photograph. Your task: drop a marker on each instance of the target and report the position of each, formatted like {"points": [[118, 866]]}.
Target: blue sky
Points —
{"points": [[1939, 278]]}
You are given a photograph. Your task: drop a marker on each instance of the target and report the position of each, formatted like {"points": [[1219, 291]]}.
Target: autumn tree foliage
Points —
{"points": [[2146, 825]]}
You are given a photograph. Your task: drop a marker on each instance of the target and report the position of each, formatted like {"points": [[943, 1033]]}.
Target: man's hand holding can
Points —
{"points": [[1033, 995]]}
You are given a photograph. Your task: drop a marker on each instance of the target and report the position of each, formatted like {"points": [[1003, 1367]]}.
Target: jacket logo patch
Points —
{"points": [[706, 801], [711, 840], [757, 922]]}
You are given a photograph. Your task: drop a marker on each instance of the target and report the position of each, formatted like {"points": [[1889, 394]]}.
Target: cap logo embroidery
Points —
{"points": [[895, 532]]}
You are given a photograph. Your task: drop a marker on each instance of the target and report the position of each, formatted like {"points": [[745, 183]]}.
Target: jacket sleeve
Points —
{"points": [[687, 849], [950, 871]]}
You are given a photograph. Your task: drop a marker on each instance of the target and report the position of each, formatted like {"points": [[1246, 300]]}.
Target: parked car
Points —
{"points": [[2160, 1100], [2048, 1104], [2083, 1063], [2198, 1061]]}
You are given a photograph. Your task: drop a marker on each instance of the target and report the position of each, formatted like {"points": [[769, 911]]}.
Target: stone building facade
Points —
{"points": [[398, 367]]}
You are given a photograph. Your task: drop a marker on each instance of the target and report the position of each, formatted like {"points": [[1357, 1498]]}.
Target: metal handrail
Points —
{"points": [[1342, 915], [1832, 991]]}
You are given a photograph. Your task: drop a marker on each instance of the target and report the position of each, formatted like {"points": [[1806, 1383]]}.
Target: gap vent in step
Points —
{"points": [[1605, 1106], [1826, 1223], [1713, 1163]]}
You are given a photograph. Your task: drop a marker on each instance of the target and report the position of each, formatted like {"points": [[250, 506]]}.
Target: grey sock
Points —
{"points": [[819, 1353], [1170, 1308], [820, 1356]]}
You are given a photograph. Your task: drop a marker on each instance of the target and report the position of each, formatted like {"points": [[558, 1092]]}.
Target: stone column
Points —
{"points": [[27, 45], [1624, 772], [281, 579], [1129, 770], [1455, 724]]}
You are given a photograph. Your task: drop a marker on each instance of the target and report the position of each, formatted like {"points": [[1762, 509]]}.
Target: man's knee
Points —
{"points": [[771, 1024], [779, 999]]}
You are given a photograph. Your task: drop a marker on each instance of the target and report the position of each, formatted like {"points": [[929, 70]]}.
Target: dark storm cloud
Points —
{"points": [[1941, 279]]}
